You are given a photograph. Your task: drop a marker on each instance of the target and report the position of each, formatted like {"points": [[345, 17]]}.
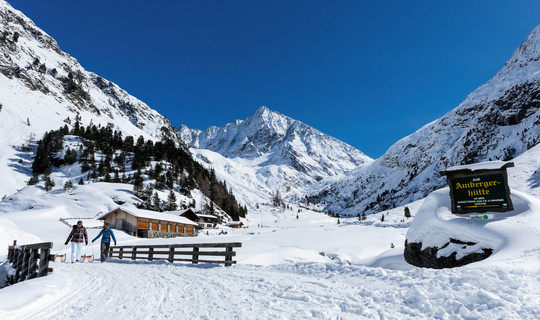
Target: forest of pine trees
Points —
{"points": [[121, 153]]}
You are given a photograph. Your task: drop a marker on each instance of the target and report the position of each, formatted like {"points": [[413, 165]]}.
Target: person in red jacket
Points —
{"points": [[77, 236]]}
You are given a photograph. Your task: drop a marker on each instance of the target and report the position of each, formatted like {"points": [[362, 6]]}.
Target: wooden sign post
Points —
{"points": [[481, 187]]}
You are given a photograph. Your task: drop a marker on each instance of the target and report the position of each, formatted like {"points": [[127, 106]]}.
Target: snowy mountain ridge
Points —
{"points": [[269, 151], [281, 153], [44, 88], [498, 121], [294, 263], [37, 67]]}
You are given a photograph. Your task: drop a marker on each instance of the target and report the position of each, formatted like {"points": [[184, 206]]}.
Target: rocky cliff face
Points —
{"points": [[498, 121], [42, 86], [286, 154], [282, 141]]}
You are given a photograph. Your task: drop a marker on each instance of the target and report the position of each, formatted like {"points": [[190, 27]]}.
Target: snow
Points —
{"points": [[270, 151], [153, 215], [287, 268], [294, 263], [488, 165], [481, 128], [27, 113], [291, 291], [508, 233]]}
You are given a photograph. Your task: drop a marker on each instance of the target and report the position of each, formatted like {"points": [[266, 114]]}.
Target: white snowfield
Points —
{"points": [[305, 268], [158, 290]]}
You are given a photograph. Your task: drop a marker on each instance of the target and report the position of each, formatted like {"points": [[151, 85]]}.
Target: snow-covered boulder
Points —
{"points": [[439, 239]]}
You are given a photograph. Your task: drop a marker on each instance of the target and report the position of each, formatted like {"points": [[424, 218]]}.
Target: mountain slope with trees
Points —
{"points": [[106, 156]]}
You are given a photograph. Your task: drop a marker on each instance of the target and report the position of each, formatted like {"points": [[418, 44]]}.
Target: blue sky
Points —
{"points": [[366, 72]]}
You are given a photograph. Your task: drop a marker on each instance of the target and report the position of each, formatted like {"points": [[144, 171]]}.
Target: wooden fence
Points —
{"points": [[170, 252], [30, 260]]}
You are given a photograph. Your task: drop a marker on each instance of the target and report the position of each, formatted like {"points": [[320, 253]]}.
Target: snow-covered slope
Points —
{"points": [[43, 88], [305, 268], [498, 121], [272, 152]]}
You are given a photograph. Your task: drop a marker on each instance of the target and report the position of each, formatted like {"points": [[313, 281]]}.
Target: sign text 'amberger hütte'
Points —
{"points": [[479, 188]]}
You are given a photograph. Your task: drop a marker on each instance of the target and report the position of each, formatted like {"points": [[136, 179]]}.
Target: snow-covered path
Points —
{"points": [[292, 268], [159, 290]]}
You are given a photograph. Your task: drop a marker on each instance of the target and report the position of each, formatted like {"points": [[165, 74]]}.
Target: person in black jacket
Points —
{"points": [[77, 236], [105, 235]]}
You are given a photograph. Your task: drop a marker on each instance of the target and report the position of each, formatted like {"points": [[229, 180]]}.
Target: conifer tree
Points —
{"points": [[407, 212], [156, 202], [146, 196], [137, 183], [68, 185], [49, 183], [34, 180], [71, 156], [171, 202], [41, 161]]}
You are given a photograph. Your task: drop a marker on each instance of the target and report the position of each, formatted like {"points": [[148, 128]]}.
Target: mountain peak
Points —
{"points": [[526, 57], [265, 113], [276, 139], [262, 111], [38, 72], [267, 122]]}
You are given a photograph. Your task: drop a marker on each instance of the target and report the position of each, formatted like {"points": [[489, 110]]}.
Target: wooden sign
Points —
{"points": [[481, 187]]}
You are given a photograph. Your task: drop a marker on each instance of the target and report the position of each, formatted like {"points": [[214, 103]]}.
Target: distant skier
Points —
{"points": [[77, 236], [106, 235]]}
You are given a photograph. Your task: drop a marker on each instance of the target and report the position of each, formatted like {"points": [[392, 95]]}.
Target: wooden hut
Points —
{"points": [[203, 220], [207, 220], [235, 224], [149, 224], [188, 213]]}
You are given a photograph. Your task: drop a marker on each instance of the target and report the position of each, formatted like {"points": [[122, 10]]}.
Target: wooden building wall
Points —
{"points": [[145, 227], [123, 221]]}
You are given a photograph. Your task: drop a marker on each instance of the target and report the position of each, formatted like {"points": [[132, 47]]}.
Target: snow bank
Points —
{"points": [[509, 234]]}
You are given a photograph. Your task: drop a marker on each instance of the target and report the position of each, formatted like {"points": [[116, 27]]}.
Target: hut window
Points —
{"points": [[142, 225]]}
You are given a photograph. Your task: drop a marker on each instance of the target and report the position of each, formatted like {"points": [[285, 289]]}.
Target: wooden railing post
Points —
{"points": [[121, 253], [134, 253], [44, 261], [32, 265], [171, 254], [11, 252], [195, 255], [24, 263], [151, 254], [228, 258], [17, 264]]}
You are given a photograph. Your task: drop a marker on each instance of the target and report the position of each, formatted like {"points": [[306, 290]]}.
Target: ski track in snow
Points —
{"points": [[159, 290]]}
